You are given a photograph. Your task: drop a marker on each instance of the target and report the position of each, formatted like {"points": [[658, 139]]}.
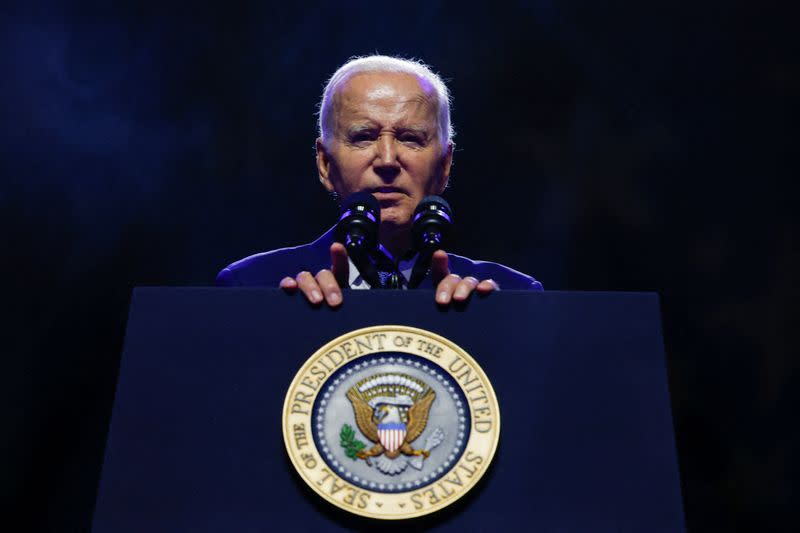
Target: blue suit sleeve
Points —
{"points": [[227, 278]]}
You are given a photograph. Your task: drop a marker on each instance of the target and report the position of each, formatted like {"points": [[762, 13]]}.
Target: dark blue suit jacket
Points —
{"points": [[268, 268]]}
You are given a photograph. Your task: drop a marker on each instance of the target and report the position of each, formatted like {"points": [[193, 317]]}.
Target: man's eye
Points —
{"points": [[361, 136], [412, 138]]}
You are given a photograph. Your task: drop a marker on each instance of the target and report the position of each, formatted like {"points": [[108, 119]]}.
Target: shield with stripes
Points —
{"points": [[392, 435]]}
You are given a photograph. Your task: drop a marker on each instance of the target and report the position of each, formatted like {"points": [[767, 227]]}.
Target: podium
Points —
{"points": [[196, 443]]}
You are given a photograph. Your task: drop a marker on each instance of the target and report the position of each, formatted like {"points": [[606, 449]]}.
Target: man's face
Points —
{"points": [[386, 141]]}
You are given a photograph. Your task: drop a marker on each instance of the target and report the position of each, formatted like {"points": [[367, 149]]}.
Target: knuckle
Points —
{"points": [[326, 280], [464, 288], [329, 285]]}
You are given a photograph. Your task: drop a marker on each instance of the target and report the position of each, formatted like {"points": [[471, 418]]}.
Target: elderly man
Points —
{"points": [[384, 127]]}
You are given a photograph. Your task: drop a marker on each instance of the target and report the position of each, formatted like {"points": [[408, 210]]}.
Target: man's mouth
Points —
{"points": [[389, 196], [387, 190]]}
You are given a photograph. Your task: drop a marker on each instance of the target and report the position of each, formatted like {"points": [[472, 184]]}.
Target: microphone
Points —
{"points": [[430, 229], [357, 230]]}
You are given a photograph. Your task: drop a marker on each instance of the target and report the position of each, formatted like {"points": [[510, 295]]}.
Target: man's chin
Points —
{"points": [[391, 226], [395, 218]]}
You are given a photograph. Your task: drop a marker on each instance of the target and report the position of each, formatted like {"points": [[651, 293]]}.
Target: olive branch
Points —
{"points": [[351, 445]]}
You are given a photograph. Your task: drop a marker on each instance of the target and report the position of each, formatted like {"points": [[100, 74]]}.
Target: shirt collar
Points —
{"points": [[405, 266]]}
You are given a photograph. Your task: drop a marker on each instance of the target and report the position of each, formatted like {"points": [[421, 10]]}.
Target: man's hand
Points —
{"points": [[452, 286], [326, 284]]}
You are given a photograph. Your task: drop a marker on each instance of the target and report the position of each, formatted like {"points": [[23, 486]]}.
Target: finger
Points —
{"points": [[308, 284], [464, 288], [340, 265], [440, 266], [445, 288], [330, 288], [486, 286], [288, 284]]}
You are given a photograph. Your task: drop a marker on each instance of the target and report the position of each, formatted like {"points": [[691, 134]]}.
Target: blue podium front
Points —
{"points": [[196, 440]]}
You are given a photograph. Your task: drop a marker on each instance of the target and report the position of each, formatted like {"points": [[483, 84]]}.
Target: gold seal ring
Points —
{"points": [[391, 422]]}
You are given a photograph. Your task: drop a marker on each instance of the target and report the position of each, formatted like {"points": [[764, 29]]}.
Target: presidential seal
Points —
{"points": [[391, 422]]}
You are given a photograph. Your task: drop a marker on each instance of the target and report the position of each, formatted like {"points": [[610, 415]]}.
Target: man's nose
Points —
{"points": [[386, 164]]}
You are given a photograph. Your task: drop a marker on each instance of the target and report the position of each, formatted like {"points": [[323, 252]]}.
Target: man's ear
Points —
{"points": [[447, 162], [324, 165]]}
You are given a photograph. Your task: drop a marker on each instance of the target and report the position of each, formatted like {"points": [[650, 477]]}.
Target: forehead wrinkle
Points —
{"points": [[359, 116], [425, 94], [414, 102]]}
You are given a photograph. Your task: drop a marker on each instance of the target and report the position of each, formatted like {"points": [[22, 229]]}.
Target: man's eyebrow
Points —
{"points": [[418, 129], [421, 129], [362, 126]]}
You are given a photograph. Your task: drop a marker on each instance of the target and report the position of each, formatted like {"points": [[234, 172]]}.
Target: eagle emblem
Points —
{"points": [[381, 419], [391, 410]]}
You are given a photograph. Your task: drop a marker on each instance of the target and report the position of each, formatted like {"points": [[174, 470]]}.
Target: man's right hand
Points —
{"points": [[327, 283]]}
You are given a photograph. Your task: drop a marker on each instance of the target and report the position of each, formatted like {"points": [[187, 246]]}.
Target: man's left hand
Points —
{"points": [[452, 286]]}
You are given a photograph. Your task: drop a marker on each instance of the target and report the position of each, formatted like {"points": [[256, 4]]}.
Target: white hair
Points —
{"points": [[379, 63]]}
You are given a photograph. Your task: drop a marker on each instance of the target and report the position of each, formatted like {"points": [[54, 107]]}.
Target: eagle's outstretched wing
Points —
{"points": [[418, 416], [363, 414]]}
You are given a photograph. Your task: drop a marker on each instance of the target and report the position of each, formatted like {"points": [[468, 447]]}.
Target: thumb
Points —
{"points": [[340, 266], [440, 266]]}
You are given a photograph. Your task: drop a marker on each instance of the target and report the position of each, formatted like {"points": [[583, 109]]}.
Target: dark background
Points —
{"points": [[601, 145]]}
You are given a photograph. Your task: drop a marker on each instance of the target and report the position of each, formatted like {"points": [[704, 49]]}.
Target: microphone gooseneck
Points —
{"points": [[430, 230], [357, 230]]}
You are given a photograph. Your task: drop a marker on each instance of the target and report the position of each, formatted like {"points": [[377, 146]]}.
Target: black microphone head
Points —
{"points": [[365, 200], [434, 203], [358, 224], [432, 223]]}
